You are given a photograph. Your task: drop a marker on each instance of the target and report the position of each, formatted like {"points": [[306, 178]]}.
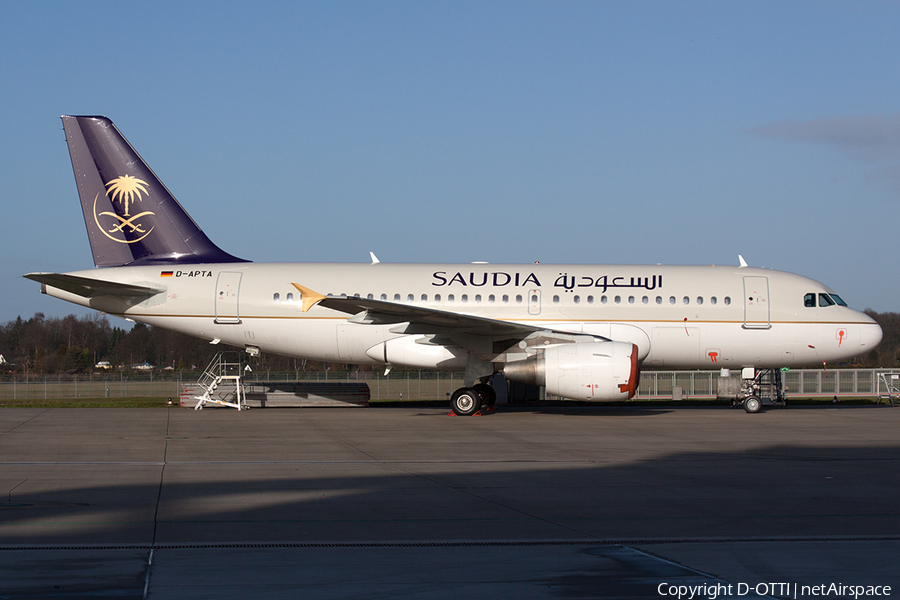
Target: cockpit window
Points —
{"points": [[825, 300], [837, 299], [809, 301]]}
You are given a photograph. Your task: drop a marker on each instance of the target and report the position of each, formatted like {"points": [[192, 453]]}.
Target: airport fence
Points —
{"points": [[801, 383], [408, 385], [420, 385]]}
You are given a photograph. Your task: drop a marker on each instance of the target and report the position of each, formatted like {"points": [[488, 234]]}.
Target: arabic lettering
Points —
{"points": [[604, 282], [567, 281]]}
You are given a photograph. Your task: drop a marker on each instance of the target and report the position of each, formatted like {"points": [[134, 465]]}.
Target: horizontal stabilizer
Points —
{"points": [[92, 288]]}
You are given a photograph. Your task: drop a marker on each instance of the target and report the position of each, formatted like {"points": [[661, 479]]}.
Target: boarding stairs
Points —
{"points": [[888, 386], [221, 383]]}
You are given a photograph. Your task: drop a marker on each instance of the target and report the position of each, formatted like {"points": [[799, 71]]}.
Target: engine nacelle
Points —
{"points": [[586, 371]]}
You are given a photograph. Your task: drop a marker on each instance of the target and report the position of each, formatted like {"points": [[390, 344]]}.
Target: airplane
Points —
{"points": [[583, 332]]}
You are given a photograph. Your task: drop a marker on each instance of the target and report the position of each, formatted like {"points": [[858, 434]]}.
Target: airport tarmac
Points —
{"points": [[409, 502]]}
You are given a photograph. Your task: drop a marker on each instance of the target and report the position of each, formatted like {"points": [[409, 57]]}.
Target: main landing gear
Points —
{"points": [[466, 402]]}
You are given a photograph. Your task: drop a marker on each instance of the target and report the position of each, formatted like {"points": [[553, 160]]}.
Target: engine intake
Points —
{"points": [[586, 371]]}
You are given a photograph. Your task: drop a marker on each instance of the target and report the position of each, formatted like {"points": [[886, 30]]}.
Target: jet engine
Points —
{"points": [[581, 371]]}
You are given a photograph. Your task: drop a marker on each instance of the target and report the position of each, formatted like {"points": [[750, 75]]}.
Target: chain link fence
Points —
{"points": [[417, 385]]}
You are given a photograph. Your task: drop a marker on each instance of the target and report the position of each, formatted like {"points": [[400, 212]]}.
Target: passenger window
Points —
{"points": [[671, 299], [437, 297], [396, 297], [630, 299], [450, 298], [825, 300], [699, 300], [727, 300], [424, 297], [370, 297], [464, 298], [617, 299], [410, 298], [519, 299], [276, 297], [713, 300], [477, 297], [809, 301], [590, 299], [603, 299], [505, 298], [577, 299], [686, 300], [659, 299], [645, 299], [290, 297], [384, 297], [491, 299], [555, 299]]}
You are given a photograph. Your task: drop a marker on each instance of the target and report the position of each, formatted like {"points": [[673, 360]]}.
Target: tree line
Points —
{"points": [[50, 345]]}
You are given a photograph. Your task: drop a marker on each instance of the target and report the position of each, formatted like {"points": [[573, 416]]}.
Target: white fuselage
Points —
{"points": [[680, 317]]}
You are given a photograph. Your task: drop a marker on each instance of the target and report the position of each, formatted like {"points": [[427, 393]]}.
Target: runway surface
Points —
{"points": [[409, 502]]}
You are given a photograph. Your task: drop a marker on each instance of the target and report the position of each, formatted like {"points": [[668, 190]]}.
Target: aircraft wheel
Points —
{"points": [[465, 402], [752, 404], [487, 393]]}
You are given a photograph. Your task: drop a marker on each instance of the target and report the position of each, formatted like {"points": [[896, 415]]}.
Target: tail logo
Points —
{"points": [[125, 190]]}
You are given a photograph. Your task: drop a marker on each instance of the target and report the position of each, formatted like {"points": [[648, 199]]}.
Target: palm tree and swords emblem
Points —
{"points": [[125, 190]]}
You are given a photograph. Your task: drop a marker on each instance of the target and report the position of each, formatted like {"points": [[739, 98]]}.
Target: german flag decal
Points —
{"points": [[166, 274]]}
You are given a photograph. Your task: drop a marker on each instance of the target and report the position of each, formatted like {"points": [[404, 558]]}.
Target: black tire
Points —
{"points": [[465, 402], [487, 393], [752, 404]]}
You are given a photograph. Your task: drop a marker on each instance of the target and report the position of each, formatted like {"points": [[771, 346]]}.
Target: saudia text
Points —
{"points": [[564, 280]]}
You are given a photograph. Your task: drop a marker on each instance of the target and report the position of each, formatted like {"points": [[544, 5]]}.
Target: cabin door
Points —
{"points": [[756, 303], [228, 287]]}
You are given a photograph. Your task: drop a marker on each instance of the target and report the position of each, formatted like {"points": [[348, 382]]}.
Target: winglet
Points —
{"points": [[310, 298], [375, 260], [743, 262]]}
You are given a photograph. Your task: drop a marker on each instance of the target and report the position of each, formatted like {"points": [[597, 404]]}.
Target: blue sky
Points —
{"points": [[565, 132]]}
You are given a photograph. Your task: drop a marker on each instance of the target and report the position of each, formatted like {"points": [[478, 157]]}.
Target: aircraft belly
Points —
{"points": [[674, 346], [305, 338], [354, 340]]}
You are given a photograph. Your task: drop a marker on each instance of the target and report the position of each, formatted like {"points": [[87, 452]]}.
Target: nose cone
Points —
{"points": [[870, 334]]}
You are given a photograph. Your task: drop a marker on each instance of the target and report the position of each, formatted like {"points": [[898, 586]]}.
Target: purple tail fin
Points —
{"points": [[131, 217]]}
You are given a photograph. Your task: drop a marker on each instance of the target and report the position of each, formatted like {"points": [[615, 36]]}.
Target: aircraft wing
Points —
{"points": [[92, 288], [419, 320]]}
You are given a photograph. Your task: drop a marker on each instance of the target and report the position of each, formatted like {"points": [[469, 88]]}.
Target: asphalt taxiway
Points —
{"points": [[409, 502]]}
